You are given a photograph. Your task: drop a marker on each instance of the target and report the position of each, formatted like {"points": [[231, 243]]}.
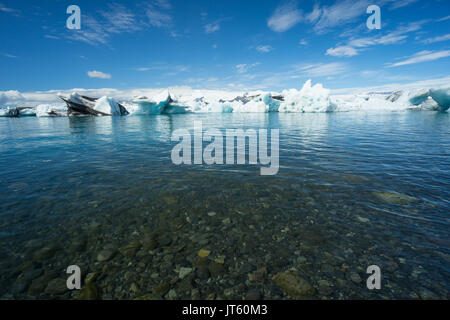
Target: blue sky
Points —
{"points": [[213, 44]]}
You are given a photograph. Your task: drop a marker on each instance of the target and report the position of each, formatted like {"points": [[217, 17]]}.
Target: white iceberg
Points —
{"points": [[51, 110], [107, 106], [309, 99], [155, 105]]}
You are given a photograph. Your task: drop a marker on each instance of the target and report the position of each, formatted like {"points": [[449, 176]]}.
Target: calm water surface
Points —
{"points": [[353, 190]]}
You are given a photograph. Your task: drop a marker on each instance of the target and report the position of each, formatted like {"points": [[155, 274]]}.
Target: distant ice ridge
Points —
{"points": [[311, 98], [308, 99]]}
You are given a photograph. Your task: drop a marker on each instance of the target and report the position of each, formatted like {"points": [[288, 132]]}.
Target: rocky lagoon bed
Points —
{"points": [[353, 190]]}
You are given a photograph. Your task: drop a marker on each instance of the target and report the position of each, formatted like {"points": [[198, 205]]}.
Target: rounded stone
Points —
{"points": [[105, 255]]}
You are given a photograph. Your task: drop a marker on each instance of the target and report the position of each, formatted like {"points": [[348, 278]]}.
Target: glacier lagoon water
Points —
{"points": [[353, 190]]}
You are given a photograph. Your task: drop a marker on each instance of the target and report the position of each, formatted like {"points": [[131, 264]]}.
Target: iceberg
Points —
{"points": [[83, 105], [51, 110], [14, 111], [155, 105], [310, 98], [9, 111], [423, 99], [107, 106], [442, 98]]}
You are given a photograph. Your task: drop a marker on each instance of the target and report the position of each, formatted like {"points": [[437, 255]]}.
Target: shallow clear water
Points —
{"points": [[353, 190]]}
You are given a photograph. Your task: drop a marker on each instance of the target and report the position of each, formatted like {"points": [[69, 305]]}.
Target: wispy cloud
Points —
{"points": [[303, 42], [214, 26], [49, 36], [98, 74], [402, 3], [265, 48], [156, 15], [437, 39], [354, 46], [117, 19], [5, 9], [342, 51], [164, 4], [340, 13], [323, 69], [285, 17], [422, 56], [325, 18], [9, 55], [444, 19], [171, 69], [243, 68]]}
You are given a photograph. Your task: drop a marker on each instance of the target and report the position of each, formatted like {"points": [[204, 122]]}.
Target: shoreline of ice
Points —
{"points": [[310, 99]]}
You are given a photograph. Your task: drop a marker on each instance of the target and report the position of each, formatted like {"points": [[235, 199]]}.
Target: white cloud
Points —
{"points": [[342, 51], [438, 38], [171, 69], [340, 13], [212, 27], [265, 48], [314, 15], [9, 55], [323, 69], [422, 56], [157, 15], [353, 47], [98, 74], [243, 68], [117, 19], [402, 3], [325, 18], [303, 42], [11, 96], [5, 9], [444, 19], [158, 18], [285, 17], [8, 10], [163, 4]]}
